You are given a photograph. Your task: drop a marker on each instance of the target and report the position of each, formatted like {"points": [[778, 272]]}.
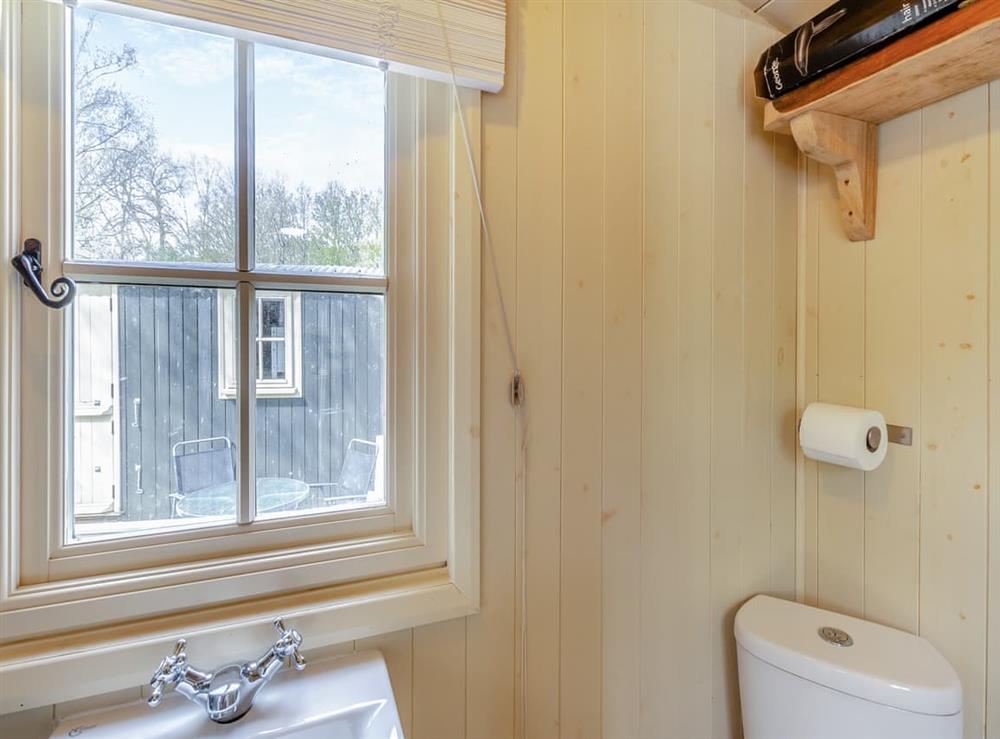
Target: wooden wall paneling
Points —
{"points": [[928, 518], [840, 352], [784, 422], [539, 320], [439, 710], [954, 397], [623, 153], [397, 648], [731, 480], [757, 189], [892, 354], [809, 314], [993, 584], [491, 646], [689, 565], [623, 280], [660, 700], [582, 378], [809, 251]]}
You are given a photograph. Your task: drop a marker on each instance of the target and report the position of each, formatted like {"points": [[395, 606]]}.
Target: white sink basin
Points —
{"points": [[339, 698]]}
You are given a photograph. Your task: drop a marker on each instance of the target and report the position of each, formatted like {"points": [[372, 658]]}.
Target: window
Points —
{"points": [[279, 345], [154, 185], [271, 366]]}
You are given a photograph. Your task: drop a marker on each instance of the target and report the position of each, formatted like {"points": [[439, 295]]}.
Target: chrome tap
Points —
{"points": [[227, 693]]}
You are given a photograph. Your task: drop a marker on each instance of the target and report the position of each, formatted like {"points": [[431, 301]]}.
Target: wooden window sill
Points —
{"points": [[97, 661]]}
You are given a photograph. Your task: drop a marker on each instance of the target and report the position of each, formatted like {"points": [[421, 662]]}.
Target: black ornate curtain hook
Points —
{"points": [[29, 265]]}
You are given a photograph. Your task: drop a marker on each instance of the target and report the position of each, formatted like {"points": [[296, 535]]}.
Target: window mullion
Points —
{"points": [[245, 260], [247, 394], [246, 294]]}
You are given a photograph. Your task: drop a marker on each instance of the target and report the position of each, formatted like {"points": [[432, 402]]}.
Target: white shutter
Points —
{"points": [[95, 420], [407, 34]]}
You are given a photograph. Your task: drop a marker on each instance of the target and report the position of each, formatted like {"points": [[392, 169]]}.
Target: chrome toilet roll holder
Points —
{"points": [[899, 434], [902, 435], [895, 434]]}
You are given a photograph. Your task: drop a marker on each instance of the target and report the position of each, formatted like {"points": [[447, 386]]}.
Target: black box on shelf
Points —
{"points": [[845, 30]]}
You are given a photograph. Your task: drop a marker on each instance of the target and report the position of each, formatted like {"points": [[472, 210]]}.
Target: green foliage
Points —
{"points": [[134, 201]]}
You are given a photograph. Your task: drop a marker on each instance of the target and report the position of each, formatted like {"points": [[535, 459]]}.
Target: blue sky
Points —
{"points": [[317, 119]]}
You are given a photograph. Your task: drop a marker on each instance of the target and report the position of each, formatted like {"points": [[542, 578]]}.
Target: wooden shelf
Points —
{"points": [[833, 119]]}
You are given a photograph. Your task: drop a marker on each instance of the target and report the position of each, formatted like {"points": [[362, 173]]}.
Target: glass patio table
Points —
{"points": [[273, 494]]}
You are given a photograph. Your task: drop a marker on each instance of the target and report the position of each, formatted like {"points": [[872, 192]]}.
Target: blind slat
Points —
{"points": [[406, 34]]}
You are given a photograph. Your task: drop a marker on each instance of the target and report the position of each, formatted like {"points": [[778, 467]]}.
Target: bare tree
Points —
{"points": [[134, 201], [209, 230], [127, 190]]}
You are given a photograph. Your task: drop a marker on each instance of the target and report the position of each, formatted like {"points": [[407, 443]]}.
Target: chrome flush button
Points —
{"points": [[837, 637]]}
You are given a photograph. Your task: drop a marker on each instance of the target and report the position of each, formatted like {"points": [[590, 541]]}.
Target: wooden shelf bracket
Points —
{"points": [[834, 117], [851, 147]]}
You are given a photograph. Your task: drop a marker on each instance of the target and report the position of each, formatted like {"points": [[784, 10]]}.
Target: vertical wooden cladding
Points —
{"points": [[690, 568], [903, 322], [539, 299], [654, 229], [584, 187], [954, 387], [840, 379], [993, 501], [660, 702], [491, 644], [740, 331], [892, 495], [645, 235], [720, 218], [625, 75]]}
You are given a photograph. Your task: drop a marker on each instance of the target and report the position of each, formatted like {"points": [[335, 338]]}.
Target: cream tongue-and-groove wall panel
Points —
{"points": [[907, 324], [621, 597], [645, 229], [718, 385]]}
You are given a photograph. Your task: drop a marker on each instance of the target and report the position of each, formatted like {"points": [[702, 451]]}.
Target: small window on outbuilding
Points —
{"points": [[278, 336]]}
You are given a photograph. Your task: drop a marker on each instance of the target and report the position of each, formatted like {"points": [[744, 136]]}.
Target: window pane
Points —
{"points": [[272, 316], [320, 162], [272, 360], [324, 449], [153, 124], [153, 442]]}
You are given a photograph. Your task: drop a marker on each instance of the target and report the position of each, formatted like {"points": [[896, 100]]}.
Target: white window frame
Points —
{"points": [[337, 576], [291, 385]]}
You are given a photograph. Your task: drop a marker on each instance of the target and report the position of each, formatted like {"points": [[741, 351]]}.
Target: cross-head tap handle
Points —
{"points": [[289, 641], [169, 673]]}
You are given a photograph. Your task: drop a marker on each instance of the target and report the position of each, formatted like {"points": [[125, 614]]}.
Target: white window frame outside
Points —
{"points": [[339, 576], [291, 385]]}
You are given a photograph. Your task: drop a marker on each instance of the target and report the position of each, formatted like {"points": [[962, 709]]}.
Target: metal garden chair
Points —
{"points": [[356, 473], [201, 468]]}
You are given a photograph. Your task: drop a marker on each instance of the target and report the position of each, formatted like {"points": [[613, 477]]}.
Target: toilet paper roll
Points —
{"points": [[843, 435]]}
